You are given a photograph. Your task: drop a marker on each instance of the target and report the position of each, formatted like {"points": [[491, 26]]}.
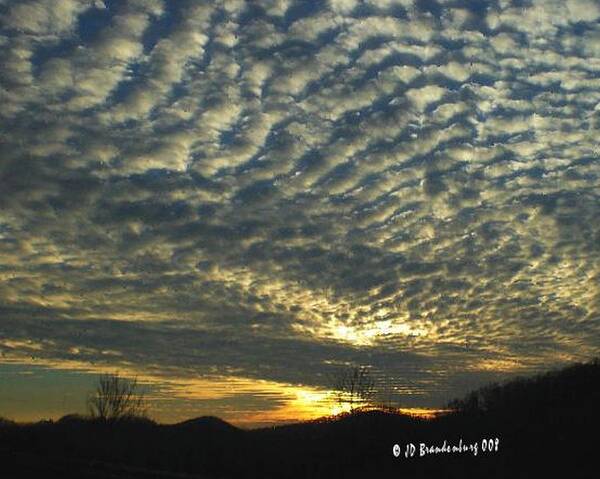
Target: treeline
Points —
{"points": [[542, 425], [554, 390]]}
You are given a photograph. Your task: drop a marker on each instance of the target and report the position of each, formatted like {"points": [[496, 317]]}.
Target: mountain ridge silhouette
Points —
{"points": [[540, 423]]}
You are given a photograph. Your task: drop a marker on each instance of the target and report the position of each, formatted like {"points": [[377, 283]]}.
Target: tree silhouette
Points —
{"points": [[354, 386], [115, 398]]}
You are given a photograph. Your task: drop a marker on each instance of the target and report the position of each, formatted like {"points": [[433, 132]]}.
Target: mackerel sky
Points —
{"points": [[234, 199]]}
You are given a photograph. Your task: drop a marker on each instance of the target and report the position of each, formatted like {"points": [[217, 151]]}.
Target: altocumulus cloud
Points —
{"points": [[269, 189]]}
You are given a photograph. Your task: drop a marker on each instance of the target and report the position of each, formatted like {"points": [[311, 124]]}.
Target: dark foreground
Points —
{"points": [[538, 427]]}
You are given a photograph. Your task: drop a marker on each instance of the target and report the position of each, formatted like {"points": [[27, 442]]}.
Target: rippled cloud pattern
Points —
{"points": [[268, 190]]}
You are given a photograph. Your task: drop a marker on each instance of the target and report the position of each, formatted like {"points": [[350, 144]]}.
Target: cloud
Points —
{"points": [[368, 182], [43, 17]]}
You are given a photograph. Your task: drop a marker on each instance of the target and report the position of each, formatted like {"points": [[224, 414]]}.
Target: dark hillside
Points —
{"points": [[542, 426]]}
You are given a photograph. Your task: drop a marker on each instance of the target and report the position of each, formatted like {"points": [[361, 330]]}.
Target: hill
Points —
{"points": [[535, 427]]}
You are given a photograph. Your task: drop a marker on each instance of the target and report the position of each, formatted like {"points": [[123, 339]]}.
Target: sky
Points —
{"points": [[234, 201]]}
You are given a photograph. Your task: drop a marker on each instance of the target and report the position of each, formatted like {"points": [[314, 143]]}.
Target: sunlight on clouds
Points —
{"points": [[283, 401], [368, 336], [378, 182]]}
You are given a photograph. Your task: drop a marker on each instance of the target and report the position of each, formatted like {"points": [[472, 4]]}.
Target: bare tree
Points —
{"points": [[116, 397], [354, 386], [385, 399]]}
